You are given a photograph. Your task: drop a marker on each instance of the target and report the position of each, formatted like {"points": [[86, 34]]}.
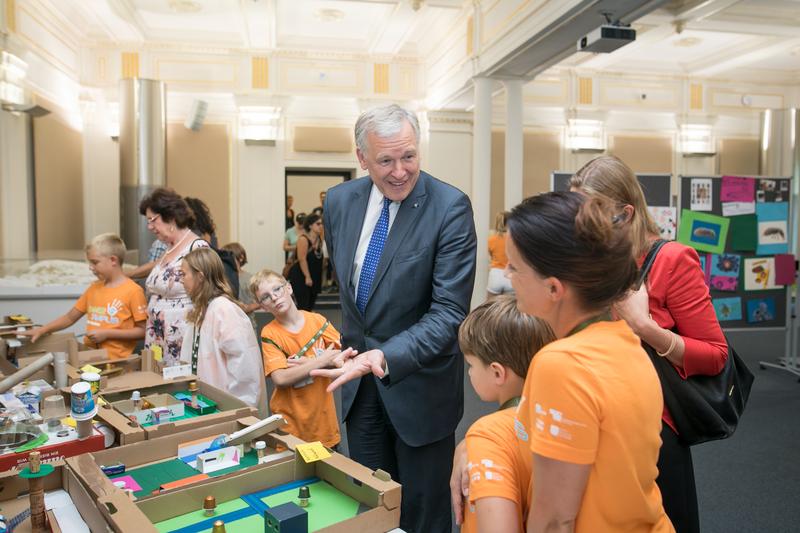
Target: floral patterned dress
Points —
{"points": [[168, 306]]}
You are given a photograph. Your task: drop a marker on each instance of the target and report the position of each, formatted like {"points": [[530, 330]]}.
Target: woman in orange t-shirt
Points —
{"points": [[498, 283], [591, 407]]}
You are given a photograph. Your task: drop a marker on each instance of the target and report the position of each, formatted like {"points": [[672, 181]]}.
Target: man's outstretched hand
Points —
{"points": [[351, 366]]}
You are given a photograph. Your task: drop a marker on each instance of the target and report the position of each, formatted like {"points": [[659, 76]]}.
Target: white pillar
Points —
{"points": [[481, 180], [513, 155]]}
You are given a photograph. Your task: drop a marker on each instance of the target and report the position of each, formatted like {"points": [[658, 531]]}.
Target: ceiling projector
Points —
{"points": [[606, 38]]}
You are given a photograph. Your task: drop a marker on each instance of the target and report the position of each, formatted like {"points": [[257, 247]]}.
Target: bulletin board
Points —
{"points": [[657, 188], [740, 227]]}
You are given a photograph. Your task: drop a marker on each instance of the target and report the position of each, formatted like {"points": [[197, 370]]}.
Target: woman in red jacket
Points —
{"points": [[672, 313]]}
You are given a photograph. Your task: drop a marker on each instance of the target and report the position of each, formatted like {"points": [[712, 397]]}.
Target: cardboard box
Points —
{"points": [[53, 452], [153, 451], [95, 511], [381, 497], [231, 408]]}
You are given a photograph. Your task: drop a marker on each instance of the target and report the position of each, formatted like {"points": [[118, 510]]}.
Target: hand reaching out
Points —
{"points": [[33, 333], [351, 365]]}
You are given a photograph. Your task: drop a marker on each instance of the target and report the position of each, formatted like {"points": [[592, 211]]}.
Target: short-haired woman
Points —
{"points": [[169, 218], [591, 408], [220, 342]]}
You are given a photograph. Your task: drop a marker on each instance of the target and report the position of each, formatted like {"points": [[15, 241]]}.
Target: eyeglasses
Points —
{"points": [[274, 294], [152, 219]]}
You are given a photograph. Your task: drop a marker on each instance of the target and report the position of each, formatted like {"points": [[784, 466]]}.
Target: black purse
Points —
{"points": [[704, 408]]}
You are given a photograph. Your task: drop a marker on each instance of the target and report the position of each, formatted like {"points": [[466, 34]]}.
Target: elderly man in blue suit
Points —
{"points": [[403, 246]]}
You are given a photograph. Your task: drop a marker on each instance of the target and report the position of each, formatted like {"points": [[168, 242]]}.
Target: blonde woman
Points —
{"points": [[498, 283], [672, 313], [220, 342]]}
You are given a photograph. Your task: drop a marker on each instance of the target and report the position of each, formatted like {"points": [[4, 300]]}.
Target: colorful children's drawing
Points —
{"points": [[666, 219], [727, 308], [761, 310], [725, 264], [724, 283], [704, 232], [759, 274]]}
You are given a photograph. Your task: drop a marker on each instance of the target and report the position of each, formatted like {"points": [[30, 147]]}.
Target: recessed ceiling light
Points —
{"points": [[185, 6], [329, 14], [686, 42]]}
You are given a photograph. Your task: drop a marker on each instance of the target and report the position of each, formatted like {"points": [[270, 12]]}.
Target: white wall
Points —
{"points": [[100, 173], [14, 187], [261, 200]]}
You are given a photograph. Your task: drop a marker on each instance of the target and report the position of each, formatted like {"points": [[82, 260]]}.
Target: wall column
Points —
{"points": [[481, 180], [513, 144]]}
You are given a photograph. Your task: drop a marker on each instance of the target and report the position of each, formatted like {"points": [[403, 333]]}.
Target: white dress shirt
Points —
{"points": [[374, 208]]}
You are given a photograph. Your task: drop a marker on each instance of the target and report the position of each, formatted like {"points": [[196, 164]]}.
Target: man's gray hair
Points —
{"points": [[384, 122]]}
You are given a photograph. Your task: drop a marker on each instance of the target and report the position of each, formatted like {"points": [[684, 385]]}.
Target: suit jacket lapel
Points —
{"points": [[354, 214], [409, 210]]}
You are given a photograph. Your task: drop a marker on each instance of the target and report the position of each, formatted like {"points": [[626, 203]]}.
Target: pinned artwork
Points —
{"points": [[702, 231], [725, 265], [705, 267], [761, 310], [701, 199], [724, 283], [736, 189], [759, 274], [727, 308], [773, 231], [666, 219], [769, 191]]}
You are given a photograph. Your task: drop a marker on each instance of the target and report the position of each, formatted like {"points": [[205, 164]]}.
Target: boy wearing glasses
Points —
{"points": [[293, 344]]}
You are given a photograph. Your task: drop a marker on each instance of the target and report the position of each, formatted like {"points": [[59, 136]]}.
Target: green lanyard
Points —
{"points": [[511, 402], [588, 322]]}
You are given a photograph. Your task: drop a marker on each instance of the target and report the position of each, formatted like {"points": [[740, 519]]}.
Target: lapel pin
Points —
{"points": [[416, 205]]}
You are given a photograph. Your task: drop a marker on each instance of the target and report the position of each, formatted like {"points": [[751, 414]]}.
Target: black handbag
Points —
{"points": [[704, 408]]}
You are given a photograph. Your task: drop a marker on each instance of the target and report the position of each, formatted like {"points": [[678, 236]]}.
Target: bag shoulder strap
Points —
{"points": [[649, 260], [305, 348]]}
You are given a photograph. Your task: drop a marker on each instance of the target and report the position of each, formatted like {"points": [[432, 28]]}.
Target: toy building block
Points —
{"points": [[304, 494], [35, 473], [286, 518], [210, 506]]}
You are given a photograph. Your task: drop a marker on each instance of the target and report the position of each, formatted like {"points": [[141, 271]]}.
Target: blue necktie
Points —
{"points": [[373, 256]]}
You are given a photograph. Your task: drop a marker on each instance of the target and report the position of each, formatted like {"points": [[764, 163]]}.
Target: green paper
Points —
{"points": [[744, 233], [703, 232], [327, 505]]}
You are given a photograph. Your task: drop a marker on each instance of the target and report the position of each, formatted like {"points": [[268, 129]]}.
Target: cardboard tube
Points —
{"points": [[60, 368], [84, 428], [24, 373]]}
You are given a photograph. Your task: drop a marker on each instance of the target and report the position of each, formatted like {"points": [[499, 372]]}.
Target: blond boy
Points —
{"points": [[114, 305], [293, 344], [498, 343]]}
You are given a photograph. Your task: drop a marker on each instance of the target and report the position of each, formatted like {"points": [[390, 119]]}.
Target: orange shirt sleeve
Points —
{"points": [[332, 336], [491, 462], [274, 359], [138, 304], [563, 409]]}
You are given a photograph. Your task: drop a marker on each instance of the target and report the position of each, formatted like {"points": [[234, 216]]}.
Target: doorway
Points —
{"points": [[304, 188]]}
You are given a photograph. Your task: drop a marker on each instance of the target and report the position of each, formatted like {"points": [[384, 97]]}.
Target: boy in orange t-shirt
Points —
{"points": [[293, 344], [498, 343], [115, 305]]}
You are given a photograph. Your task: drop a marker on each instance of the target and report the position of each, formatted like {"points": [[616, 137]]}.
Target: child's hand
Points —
{"points": [[97, 336], [33, 333]]}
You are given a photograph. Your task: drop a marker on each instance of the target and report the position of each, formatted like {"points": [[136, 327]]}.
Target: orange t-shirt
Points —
{"points": [[497, 466], [497, 251], [117, 307], [309, 410], [594, 398]]}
